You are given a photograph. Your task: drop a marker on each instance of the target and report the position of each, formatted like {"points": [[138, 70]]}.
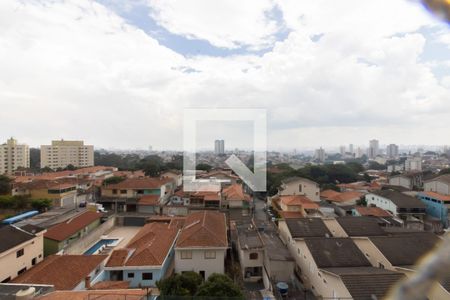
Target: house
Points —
{"points": [[175, 175], [384, 252], [202, 244], [300, 186], [68, 232], [341, 198], [234, 196], [66, 272], [438, 206], [147, 258], [225, 177], [370, 211], [360, 186], [127, 195], [440, 185], [406, 207], [410, 180], [250, 248], [297, 203], [109, 294], [361, 226], [20, 250], [62, 192]]}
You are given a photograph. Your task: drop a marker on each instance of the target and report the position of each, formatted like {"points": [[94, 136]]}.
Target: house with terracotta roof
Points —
{"points": [[147, 258], [66, 272], [341, 198], [300, 186], [62, 192], [202, 244], [70, 231], [370, 211], [20, 249], [137, 194], [296, 203], [233, 196], [438, 206]]}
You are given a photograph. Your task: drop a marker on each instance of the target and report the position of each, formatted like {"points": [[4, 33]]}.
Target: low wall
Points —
{"points": [[80, 246]]}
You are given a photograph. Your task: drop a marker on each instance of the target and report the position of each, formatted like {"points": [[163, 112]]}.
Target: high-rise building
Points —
{"points": [[320, 155], [62, 153], [350, 149], [342, 150], [219, 147], [373, 150], [13, 156], [392, 151]]}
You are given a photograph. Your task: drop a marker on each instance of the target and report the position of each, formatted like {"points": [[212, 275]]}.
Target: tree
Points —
{"points": [[113, 180], [5, 185], [203, 167], [185, 284], [219, 285], [41, 204], [70, 167], [373, 165], [152, 165]]}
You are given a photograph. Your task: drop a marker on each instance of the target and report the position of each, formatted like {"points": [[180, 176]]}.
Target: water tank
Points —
{"points": [[282, 288], [26, 294]]}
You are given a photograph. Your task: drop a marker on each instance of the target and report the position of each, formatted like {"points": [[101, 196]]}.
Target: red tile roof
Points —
{"points": [[298, 200], [372, 211], [65, 272], [64, 230], [110, 285], [437, 196], [120, 294], [334, 196], [139, 183], [204, 229], [291, 214], [235, 192], [149, 247], [150, 200]]}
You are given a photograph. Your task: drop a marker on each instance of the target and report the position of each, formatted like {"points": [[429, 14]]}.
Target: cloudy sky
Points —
{"points": [[118, 73]]}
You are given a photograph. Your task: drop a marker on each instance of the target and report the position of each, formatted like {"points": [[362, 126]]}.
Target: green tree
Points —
{"points": [[219, 285], [113, 180], [373, 165], [41, 204], [5, 185], [185, 284], [152, 165], [6, 202], [203, 167]]}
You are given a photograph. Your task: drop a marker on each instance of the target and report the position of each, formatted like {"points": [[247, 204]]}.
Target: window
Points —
{"points": [[210, 254], [19, 253], [21, 271], [186, 254], [131, 275], [123, 191], [114, 191], [33, 261], [147, 276], [253, 255], [300, 188]]}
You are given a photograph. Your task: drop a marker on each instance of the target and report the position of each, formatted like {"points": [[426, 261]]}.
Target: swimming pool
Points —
{"points": [[100, 244]]}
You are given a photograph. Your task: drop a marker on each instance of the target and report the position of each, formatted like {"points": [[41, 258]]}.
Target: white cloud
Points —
{"points": [[223, 23], [74, 69]]}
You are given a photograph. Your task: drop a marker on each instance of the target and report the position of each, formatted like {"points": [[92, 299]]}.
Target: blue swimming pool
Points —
{"points": [[99, 244]]}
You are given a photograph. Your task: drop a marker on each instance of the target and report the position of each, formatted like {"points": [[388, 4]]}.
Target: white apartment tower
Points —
{"points": [[62, 153], [320, 155], [13, 156], [374, 148], [219, 147], [392, 151]]}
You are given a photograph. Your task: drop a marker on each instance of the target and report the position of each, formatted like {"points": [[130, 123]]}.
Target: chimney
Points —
{"points": [[87, 282]]}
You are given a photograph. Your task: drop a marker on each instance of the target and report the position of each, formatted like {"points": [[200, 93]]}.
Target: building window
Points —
{"points": [[19, 253], [123, 191], [33, 261], [210, 254], [114, 191], [186, 254], [21, 271], [253, 255], [131, 275], [300, 188], [147, 276]]}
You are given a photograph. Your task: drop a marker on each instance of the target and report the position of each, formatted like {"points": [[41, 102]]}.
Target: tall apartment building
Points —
{"points": [[13, 156], [320, 154], [219, 147], [62, 153], [392, 151], [374, 148]]}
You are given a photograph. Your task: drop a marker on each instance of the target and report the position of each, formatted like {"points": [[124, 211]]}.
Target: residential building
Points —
{"points": [[341, 198], [320, 155], [175, 175], [68, 232], [110, 293], [342, 150], [219, 147], [350, 149], [374, 149], [250, 248], [202, 244], [438, 206], [147, 258], [297, 203], [392, 151], [409, 180], [66, 272], [413, 164], [406, 207], [300, 186], [62, 153], [360, 226], [234, 196], [440, 185], [12, 156], [62, 192], [370, 211], [137, 194], [20, 250]]}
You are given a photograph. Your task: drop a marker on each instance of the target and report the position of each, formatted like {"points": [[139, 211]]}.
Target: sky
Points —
{"points": [[118, 74]]}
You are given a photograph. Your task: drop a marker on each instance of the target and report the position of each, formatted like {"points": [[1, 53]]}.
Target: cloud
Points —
{"points": [[76, 69]]}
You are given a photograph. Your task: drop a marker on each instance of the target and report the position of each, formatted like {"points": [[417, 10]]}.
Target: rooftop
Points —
{"points": [[307, 227], [11, 236], [204, 229], [64, 230], [372, 211], [360, 226], [442, 178], [235, 192], [294, 179], [139, 183], [400, 199], [298, 200], [65, 272], [150, 200], [334, 196], [111, 294], [437, 196]]}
